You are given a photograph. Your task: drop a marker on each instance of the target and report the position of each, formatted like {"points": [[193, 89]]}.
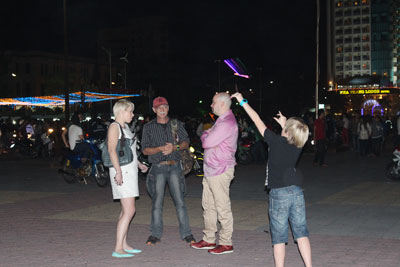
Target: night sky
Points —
{"points": [[278, 36]]}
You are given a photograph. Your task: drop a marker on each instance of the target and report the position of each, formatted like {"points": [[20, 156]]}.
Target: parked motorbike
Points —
{"points": [[198, 156], [143, 159], [74, 170], [243, 152], [393, 168], [23, 145], [47, 143]]}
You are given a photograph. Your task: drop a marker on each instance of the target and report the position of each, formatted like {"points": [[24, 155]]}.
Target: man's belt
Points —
{"points": [[168, 162]]}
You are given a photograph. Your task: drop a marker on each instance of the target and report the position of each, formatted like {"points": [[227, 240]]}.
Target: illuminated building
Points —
{"points": [[363, 38]]}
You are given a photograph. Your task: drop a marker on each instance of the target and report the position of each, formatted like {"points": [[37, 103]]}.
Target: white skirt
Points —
{"points": [[130, 187]]}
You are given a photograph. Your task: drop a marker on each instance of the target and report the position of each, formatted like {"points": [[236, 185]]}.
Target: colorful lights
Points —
{"points": [[238, 67], [58, 100]]}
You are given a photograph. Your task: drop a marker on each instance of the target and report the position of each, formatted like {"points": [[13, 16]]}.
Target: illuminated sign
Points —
{"points": [[365, 91]]}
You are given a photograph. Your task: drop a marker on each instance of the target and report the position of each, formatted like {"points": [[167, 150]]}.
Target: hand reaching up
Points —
{"points": [[280, 119], [238, 96]]}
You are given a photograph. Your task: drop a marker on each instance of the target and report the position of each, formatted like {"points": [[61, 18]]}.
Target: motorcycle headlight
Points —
{"points": [[191, 149], [50, 130]]}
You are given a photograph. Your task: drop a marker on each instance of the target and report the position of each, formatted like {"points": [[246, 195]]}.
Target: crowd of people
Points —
{"points": [[218, 134], [365, 135]]}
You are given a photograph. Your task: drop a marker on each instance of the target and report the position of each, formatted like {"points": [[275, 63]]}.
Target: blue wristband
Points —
{"points": [[242, 102]]}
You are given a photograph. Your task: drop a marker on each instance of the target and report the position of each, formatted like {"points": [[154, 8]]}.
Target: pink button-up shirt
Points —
{"points": [[220, 143]]}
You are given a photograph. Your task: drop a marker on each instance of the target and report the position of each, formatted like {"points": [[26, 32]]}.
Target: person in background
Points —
{"points": [[377, 136], [320, 139], [345, 130], [76, 137], [364, 133], [354, 132]]}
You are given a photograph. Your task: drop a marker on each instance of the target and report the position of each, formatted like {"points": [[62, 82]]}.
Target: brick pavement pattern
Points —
{"points": [[353, 215]]}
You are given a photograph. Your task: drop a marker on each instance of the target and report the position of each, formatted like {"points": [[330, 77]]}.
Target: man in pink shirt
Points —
{"points": [[219, 143]]}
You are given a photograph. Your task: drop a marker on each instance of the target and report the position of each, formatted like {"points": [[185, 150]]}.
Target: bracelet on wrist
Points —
{"points": [[243, 102]]}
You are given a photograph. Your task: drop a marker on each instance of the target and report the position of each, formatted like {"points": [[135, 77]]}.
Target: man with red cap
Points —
{"points": [[162, 148]]}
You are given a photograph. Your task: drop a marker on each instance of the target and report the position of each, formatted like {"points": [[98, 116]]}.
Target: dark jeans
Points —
{"points": [[320, 151], [82, 149], [159, 175], [363, 147], [377, 145], [355, 142]]}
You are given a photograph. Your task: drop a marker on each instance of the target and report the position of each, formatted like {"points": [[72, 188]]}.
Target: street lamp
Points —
{"points": [[14, 75], [109, 61], [125, 59]]}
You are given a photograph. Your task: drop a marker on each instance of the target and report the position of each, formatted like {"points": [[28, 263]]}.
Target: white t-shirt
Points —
{"points": [[74, 132], [346, 123]]}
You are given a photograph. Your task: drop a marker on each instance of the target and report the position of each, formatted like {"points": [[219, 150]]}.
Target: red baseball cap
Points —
{"points": [[158, 101]]}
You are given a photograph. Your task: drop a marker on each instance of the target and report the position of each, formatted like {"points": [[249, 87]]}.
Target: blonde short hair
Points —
{"points": [[122, 104], [226, 98], [297, 131]]}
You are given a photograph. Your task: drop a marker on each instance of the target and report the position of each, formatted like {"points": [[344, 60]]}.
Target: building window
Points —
{"points": [[338, 32], [364, 2], [339, 49], [356, 3], [339, 4], [348, 49]]}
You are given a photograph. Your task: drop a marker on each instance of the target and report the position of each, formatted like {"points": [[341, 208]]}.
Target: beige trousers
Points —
{"points": [[217, 207]]}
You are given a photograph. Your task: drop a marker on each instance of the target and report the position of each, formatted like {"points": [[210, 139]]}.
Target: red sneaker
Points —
{"points": [[203, 245], [221, 249]]}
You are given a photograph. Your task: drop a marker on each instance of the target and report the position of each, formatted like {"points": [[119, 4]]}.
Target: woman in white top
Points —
{"points": [[364, 133], [124, 179]]}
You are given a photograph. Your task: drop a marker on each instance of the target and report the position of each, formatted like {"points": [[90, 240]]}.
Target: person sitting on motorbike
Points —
{"points": [[97, 128], [76, 138]]}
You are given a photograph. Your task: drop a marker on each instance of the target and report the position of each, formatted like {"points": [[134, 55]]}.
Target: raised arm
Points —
{"points": [[251, 112]]}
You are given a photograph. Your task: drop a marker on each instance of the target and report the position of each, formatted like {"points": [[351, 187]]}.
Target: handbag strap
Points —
{"points": [[122, 139], [122, 134]]}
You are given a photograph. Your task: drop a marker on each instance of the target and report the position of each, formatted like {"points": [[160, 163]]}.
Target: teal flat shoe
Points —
{"points": [[118, 255], [133, 250]]}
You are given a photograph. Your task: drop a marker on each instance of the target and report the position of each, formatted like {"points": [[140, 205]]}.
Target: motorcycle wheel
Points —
{"points": [[393, 171], [68, 173], [101, 176]]}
